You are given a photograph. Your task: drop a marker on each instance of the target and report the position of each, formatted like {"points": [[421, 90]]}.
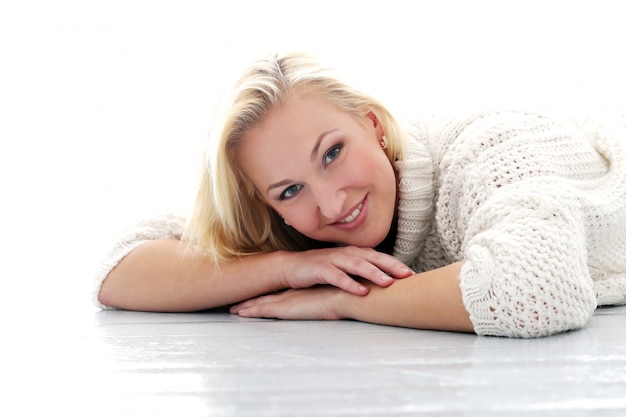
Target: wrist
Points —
{"points": [[345, 304], [281, 262]]}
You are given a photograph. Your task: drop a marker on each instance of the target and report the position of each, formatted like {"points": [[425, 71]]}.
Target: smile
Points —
{"points": [[350, 217], [356, 218]]}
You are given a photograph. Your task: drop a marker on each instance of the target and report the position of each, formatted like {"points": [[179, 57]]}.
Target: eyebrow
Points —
{"points": [[314, 153], [278, 184], [318, 142]]}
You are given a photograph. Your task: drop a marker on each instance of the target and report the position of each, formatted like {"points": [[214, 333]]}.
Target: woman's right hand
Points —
{"points": [[339, 267]]}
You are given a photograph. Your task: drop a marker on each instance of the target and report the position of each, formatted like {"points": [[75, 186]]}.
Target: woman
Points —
{"points": [[510, 224]]}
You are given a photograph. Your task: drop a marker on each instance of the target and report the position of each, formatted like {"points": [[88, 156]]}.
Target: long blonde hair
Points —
{"points": [[229, 218]]}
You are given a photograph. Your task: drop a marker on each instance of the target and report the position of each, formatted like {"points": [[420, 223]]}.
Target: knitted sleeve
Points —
{"points": [[510, 207], [166, 226], [525, 272]]}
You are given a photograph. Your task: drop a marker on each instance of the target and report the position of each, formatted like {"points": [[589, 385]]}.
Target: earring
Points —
{"points": [[383, 142]]}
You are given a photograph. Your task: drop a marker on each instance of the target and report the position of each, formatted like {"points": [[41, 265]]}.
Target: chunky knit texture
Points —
{"points": [[535, 209]]}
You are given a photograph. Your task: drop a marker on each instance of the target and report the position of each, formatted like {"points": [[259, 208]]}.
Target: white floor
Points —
{"points": [[63, 360]]}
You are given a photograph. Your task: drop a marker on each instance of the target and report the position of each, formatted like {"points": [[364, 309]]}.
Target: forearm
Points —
{"points": [[430, 300], [165, 275]]}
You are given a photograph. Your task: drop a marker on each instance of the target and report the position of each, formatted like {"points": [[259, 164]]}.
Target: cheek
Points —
{"points": [[367, 170], [302, 217]]}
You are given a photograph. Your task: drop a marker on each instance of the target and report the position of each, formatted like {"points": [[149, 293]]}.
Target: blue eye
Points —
{"points": [[290, 192], [332, 154]]}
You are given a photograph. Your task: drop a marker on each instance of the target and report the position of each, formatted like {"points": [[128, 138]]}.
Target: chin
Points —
{"points": [[369, 243]]}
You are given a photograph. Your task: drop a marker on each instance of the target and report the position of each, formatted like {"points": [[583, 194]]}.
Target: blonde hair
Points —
{"points": [[229, 218]]}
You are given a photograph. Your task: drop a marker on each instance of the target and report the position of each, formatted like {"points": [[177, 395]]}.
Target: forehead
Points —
{"points": [[299, 119]]}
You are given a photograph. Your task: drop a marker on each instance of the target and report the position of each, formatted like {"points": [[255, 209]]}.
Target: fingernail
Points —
{"points": [[385, 278], [406, 271]]}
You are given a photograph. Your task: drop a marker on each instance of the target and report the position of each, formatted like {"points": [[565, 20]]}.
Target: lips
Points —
{"points": [[350, 217], [354, 218]]}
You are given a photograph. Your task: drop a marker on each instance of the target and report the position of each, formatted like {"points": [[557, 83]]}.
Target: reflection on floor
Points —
{"points": [[114, 363]]}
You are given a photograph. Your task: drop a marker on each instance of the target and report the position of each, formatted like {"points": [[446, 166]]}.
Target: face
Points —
{"points": [[323, 170]]}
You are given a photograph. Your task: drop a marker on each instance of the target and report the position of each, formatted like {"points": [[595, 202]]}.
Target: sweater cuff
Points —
{"points": [[166, 226]]}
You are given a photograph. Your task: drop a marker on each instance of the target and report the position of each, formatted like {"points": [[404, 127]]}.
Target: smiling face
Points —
{"points": [[323, 170]]}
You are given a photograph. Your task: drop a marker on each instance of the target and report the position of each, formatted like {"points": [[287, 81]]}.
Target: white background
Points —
{"points": [[104, 105]]}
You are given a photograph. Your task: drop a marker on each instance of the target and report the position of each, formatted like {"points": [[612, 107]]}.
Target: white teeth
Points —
{"points": [[352, 215]]}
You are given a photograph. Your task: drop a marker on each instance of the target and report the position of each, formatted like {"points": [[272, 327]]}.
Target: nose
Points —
{"points": [[330, 201]]}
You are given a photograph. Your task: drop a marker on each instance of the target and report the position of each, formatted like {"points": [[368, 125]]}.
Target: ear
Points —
{"points": [[378, 127]]}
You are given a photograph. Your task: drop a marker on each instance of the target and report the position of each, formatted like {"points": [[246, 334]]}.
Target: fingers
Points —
{"points": [[368, 264], [250, 308], [340, 266], [350, 285], [386, 263], [319, 303], [267, 306]]}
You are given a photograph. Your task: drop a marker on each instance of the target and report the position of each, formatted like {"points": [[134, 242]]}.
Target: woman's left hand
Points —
{"points": [[321, 302]]}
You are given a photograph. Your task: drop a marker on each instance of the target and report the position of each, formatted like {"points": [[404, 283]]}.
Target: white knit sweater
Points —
{"points": [[536, 209]]}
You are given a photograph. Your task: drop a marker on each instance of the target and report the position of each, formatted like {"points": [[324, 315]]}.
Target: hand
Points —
{"points": [[318, 303], [337, 266], [430, 300]]}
